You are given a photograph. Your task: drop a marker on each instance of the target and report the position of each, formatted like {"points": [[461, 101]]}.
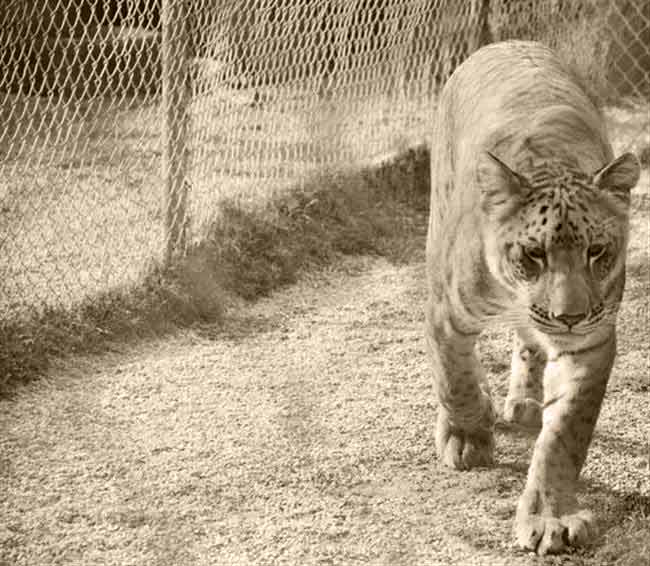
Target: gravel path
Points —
{"points": [[301, 433]]}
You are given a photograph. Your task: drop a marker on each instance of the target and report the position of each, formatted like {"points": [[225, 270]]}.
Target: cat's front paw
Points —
{"points": [[545, 534], [461, 449]]}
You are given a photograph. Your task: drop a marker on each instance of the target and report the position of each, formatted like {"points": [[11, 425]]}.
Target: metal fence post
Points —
{"points": [[175, 110]]}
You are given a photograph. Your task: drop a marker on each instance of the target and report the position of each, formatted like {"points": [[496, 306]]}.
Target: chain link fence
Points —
{"points": [[126, 124]]}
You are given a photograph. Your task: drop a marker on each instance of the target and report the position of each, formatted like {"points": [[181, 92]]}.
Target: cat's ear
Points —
{"points": [[618, 177], [502, 189]]}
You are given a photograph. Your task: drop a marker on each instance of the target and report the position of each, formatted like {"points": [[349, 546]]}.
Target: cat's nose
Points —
{"points": [[570, 319]]}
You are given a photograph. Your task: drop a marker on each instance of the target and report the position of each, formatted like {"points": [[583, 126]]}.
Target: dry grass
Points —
{"points": [[247, 254]]}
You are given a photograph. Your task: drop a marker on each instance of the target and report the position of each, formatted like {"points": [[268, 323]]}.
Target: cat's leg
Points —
{"points": [[464, 433], [525, 392], [548, 518]]}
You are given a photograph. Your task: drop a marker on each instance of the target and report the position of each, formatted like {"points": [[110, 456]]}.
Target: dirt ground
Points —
{"points": [[301, 432]]}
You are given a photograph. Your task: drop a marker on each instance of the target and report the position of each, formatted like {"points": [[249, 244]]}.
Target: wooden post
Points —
{"points": [[482, 34], [175, 105]]}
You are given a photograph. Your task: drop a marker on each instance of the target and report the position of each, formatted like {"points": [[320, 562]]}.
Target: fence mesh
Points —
{"points": [[125, 125]]}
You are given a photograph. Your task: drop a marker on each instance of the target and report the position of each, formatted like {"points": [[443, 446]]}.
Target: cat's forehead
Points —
{"points": [[561, 213]]}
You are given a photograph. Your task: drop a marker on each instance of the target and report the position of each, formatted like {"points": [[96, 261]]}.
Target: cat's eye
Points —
{"points": [[536, 253], [595, 251]]}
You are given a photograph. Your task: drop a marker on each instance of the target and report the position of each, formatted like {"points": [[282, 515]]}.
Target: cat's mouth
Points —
{"points": [[564, 330]]}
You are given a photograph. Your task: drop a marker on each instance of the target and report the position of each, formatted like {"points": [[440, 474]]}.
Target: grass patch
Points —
{"points": [[371, 212], [247, 254], [627, 543]]}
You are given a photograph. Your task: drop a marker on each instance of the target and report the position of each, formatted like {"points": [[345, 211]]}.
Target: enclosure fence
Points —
{"points": [[125, 126]]}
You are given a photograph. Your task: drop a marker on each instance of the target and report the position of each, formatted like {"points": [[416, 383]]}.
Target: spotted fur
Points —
{"points": [[528, 228]]}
